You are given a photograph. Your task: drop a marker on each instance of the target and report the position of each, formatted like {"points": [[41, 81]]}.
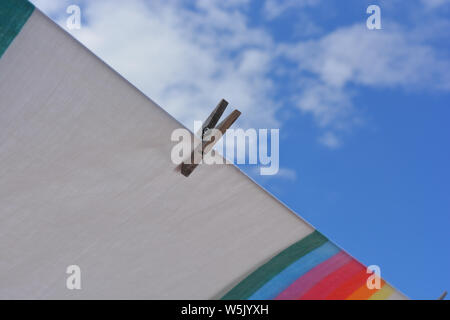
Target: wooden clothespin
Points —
{"points": [[206, 144]]}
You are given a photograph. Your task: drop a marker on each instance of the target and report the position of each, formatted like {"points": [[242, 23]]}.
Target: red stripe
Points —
{"points": [[309, 279], [350, 286], [333, 281]]}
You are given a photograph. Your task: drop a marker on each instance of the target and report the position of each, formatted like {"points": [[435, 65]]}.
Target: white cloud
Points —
{"points": [[433, 4], [330, 140], [288, 174], [184, 59], [52, 7], [274, 8], [188, 57], [356, 56]]}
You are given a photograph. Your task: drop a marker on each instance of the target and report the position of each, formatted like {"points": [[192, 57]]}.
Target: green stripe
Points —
{"points": [[277, 264], [13, 15]]}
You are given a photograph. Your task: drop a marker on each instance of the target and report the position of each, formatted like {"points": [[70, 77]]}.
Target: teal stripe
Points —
{"points": [[263, 274], [289, 275], [13, 15]]}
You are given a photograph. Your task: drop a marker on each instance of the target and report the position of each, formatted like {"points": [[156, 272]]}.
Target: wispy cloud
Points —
{"points": [[284, 173], [433, 4], [275, 8], [330, 140], [52, 7], [186, 58], [353, 56], [188, 55]]}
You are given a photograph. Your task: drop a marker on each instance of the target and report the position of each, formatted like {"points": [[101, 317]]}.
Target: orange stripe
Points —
{"points": [[350, 286], [364, 293], [333, 281]]}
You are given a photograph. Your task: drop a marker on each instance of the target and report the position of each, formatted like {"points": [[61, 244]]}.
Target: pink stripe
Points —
{"points": [[309, 279]]}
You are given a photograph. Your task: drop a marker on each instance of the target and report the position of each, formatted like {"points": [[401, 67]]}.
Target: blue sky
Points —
{"points": [[362, 113]]}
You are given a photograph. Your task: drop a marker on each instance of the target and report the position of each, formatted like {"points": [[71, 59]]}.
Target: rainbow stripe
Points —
{"points": [[312, 268]]}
